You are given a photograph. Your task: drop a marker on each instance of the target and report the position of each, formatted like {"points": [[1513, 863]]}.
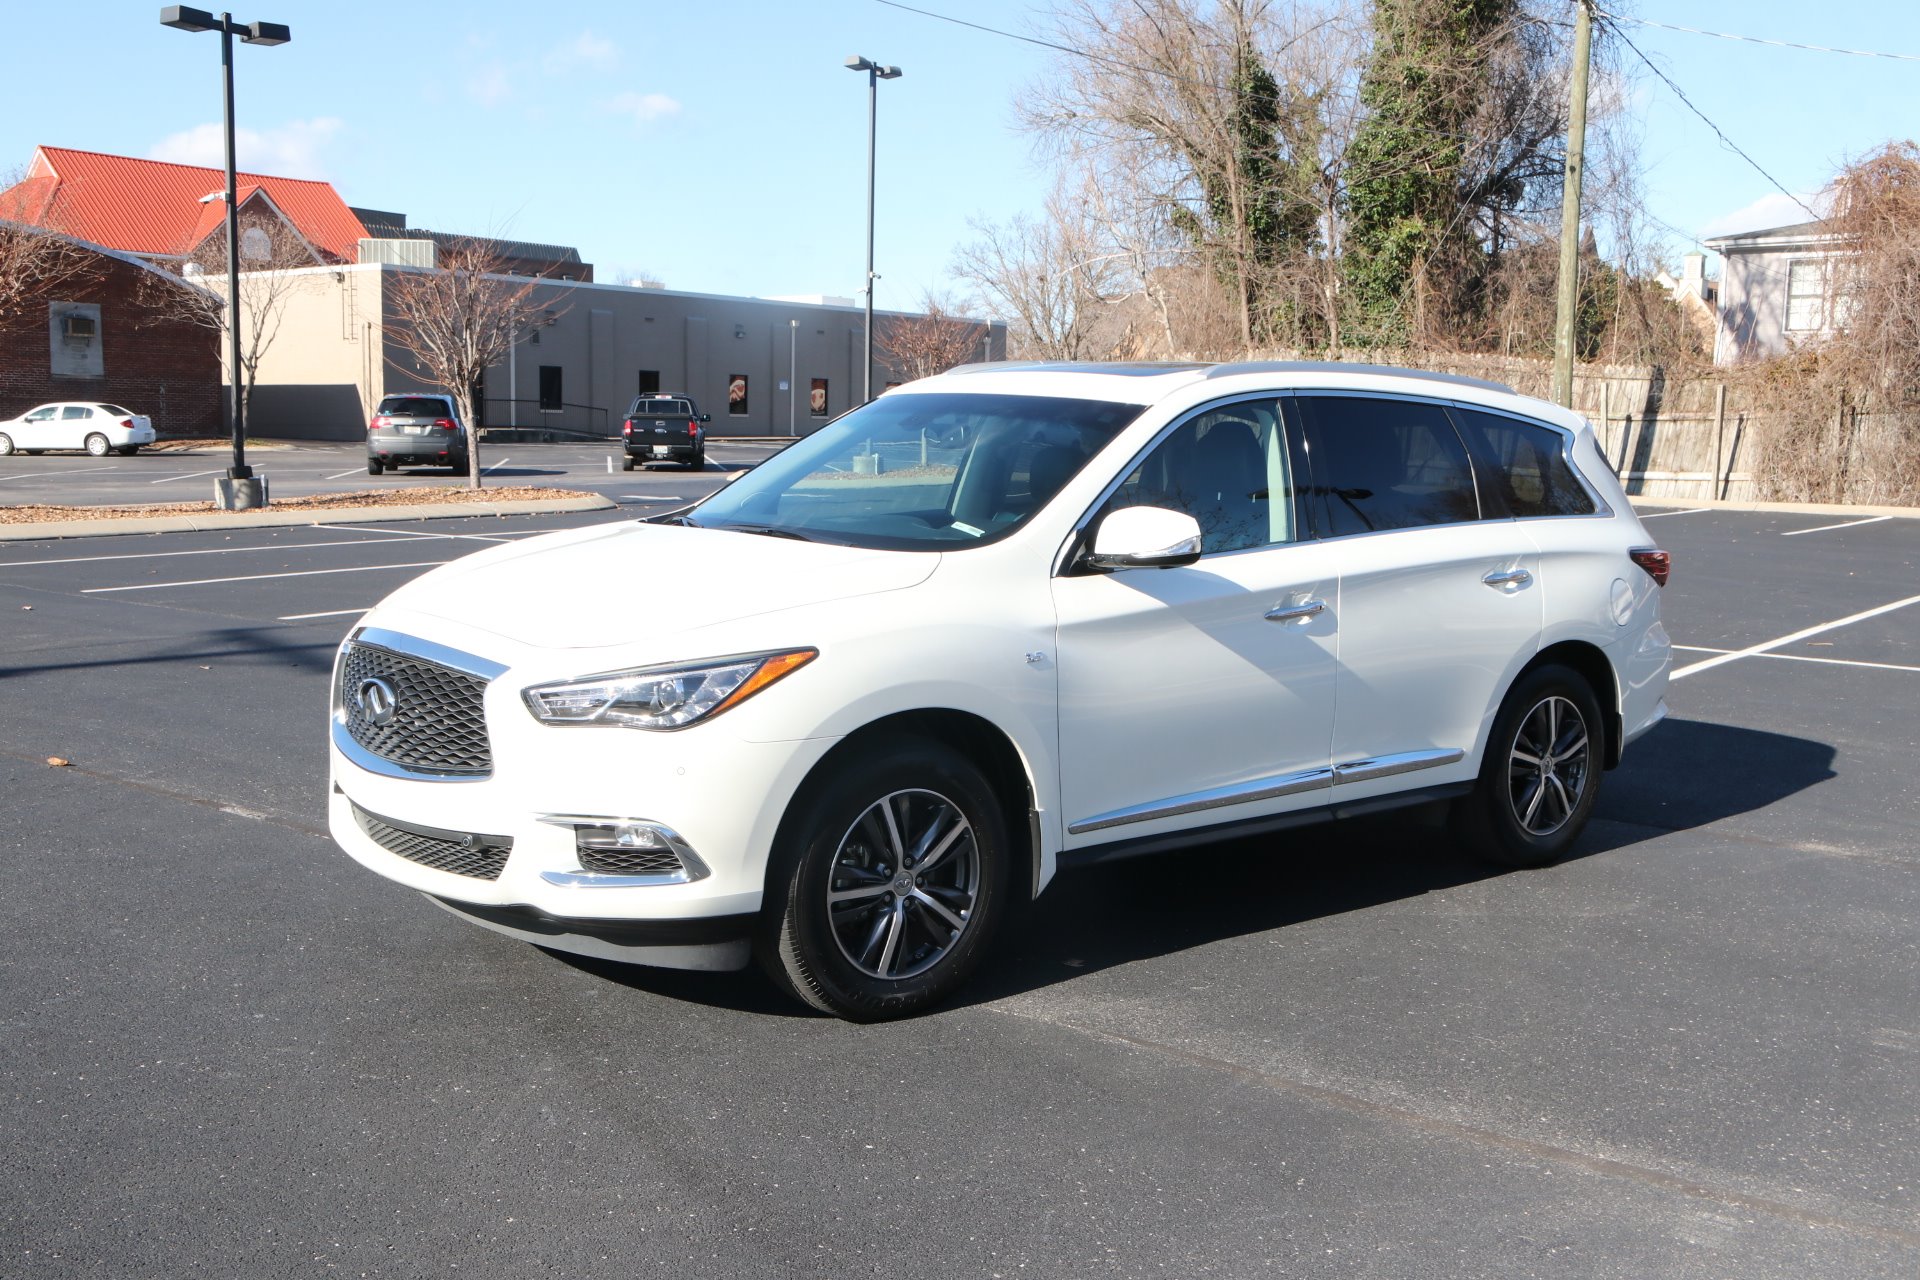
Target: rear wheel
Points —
{"points": [[98, 445], [889, 882], [374, 466], [626, 463], [1541, 775], [699, 462], [6, 444]]}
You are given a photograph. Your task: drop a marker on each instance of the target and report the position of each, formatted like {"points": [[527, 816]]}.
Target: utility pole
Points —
{"points": [[1569, 299]]}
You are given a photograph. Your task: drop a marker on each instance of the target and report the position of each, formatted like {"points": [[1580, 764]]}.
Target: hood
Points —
{"points": [[616, 584]]}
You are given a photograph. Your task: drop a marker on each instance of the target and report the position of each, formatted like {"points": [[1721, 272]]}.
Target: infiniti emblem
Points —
{"points": [[375, 700]]}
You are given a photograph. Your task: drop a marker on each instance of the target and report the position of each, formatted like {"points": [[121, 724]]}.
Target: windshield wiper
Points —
{"points": [[765, 530]]}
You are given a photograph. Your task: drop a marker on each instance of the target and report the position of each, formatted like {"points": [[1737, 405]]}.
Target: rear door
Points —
{"points": [[1438, 608], [76, 420]]}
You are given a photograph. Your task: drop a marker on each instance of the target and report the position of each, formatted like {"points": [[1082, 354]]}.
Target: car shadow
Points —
{"points": [[1126, 912], [268, 647]]}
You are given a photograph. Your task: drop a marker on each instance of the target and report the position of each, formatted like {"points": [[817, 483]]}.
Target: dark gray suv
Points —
{"points": [[416, 430]]}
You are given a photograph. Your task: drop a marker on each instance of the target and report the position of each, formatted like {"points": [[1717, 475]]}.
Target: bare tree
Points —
{"points": [[1050, 277], [35, 259], [458, 320], [270, 248], [923, 345]]}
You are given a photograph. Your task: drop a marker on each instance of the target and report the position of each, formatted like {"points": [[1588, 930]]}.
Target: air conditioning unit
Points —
{"points": [[79, 328]]}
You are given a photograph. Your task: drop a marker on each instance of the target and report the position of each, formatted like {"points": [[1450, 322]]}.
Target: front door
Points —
{"points": [[1201, 694]]}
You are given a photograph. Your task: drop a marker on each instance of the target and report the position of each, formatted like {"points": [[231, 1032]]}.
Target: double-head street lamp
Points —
{"points": [[239, 489], [875, 74]]}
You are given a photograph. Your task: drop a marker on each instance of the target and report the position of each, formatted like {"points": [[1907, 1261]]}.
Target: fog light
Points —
{"points": [[623, 835], [625, 851]]}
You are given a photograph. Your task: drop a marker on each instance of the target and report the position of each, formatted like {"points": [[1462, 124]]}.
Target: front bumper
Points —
{"points": [[716, 795]]}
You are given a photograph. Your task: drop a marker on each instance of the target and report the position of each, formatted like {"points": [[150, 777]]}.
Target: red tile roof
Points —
{"points": [[152, 207]]}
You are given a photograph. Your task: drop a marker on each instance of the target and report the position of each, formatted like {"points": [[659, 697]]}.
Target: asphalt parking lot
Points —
{"points": [[296, 470], [1691, 1050]]}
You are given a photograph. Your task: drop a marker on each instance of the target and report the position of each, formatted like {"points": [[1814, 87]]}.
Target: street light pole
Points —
{"points": [[875, 74], [239, 489]]}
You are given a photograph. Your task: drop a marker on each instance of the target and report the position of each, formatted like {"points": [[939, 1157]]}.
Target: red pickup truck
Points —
{"points": [[664, 427]]}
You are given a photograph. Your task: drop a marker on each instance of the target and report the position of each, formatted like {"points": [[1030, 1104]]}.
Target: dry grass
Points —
{"points": [[415, 495]]}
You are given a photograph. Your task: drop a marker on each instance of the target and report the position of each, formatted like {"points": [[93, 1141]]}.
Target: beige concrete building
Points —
{"points": [[760, 367]]}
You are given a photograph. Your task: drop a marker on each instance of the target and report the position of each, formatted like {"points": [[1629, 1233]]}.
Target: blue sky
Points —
{"points": [[720, 146]]}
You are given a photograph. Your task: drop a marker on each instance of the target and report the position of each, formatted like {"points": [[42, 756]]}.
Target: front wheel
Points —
{"points": [[888, 884], [98, 445], [1541, 775], [6, 444]]}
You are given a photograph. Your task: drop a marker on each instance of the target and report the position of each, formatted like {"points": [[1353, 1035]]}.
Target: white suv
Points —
{"points": [[998, 622]]}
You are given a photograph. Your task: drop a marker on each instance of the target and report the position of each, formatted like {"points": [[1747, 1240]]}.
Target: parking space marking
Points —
{"points": [[41, 475], [1690, 511], [188, 475], [504, 536], [1851, 524], [495, 467], [1803, 657], [341, 474], [396, 535], [1735, 655], [261, 577], [330, 613]]}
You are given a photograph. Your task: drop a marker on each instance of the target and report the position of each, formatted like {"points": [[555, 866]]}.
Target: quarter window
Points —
{"points": [[1524, 466], [1383, 464], [1227, 468]]}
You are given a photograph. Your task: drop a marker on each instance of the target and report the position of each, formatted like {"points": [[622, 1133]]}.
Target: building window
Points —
{"points": [[1806, 295], [550, 399], [817, 398], [737, 395], [649, 380]]}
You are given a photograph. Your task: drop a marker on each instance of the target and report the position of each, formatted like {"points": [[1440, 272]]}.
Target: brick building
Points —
{"points": [[98, 335]]}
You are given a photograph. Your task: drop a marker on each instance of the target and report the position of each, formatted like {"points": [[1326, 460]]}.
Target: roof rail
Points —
{"points": [[1341, 366], [1114, 368]]}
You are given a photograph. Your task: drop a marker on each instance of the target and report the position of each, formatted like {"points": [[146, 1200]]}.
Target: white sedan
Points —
{"points": [[97, 427]]}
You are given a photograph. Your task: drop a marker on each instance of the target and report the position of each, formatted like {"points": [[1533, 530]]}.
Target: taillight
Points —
{"points": [[445, 424], [379, 421], [127, 423], [1656, 562], [693, 429], [626, 428]]}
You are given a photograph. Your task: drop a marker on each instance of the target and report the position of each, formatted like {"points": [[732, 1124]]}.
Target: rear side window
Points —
{"points": [[1383, 464], [73, 411], [413, 407], [1525, 466]]}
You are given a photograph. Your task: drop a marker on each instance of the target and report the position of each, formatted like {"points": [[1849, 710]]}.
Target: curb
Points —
{"points": [[1780, 508], [269, 518]]}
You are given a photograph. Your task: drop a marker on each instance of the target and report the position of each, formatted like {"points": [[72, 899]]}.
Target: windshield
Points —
{"points": [[930, 472]]}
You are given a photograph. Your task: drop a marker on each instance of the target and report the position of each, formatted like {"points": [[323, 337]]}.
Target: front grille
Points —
{"points": [[463, 854], [438, 725], [631, 862]]}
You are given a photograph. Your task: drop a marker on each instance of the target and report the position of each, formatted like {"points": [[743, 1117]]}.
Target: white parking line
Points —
{"points": [[41, 475], [188, 476], [1736, 654], [330, 613], [1851, 524], [261, 577], [1690, 511], [1805, 657], [338, 474], [409, 533], [392, 535], [495, 467]]}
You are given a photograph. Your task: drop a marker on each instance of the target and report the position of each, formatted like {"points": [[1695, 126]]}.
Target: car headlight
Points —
{"points": [[663, 697]]}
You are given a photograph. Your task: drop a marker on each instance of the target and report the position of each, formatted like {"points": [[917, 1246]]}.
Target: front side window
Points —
{"points": [[1227, 468], [42, 415], [1806, 295], [1524, 466], [1381, 463], [931, 472]]}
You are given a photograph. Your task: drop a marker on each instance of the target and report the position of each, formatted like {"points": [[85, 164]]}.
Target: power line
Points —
{"points": [[1778, 44], [1725, 141]]}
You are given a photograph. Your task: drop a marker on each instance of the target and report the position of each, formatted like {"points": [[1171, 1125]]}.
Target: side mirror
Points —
{"points": [[706, 417], [1145, 538]]}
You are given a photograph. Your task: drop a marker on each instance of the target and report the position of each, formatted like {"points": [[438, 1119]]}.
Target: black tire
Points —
{"points": [[6, 444], [626, 463], [699, 462], [374, 466], [98, 445], [1529, 804], [128, 450], [890, 948]]}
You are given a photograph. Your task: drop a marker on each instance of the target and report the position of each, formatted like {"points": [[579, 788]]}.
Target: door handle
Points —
{"points": [[1508, 578], [1295, 612]]}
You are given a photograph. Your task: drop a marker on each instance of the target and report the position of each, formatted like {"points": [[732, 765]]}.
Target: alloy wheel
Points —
{"points": [[903, 884], [1548, 766]]}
